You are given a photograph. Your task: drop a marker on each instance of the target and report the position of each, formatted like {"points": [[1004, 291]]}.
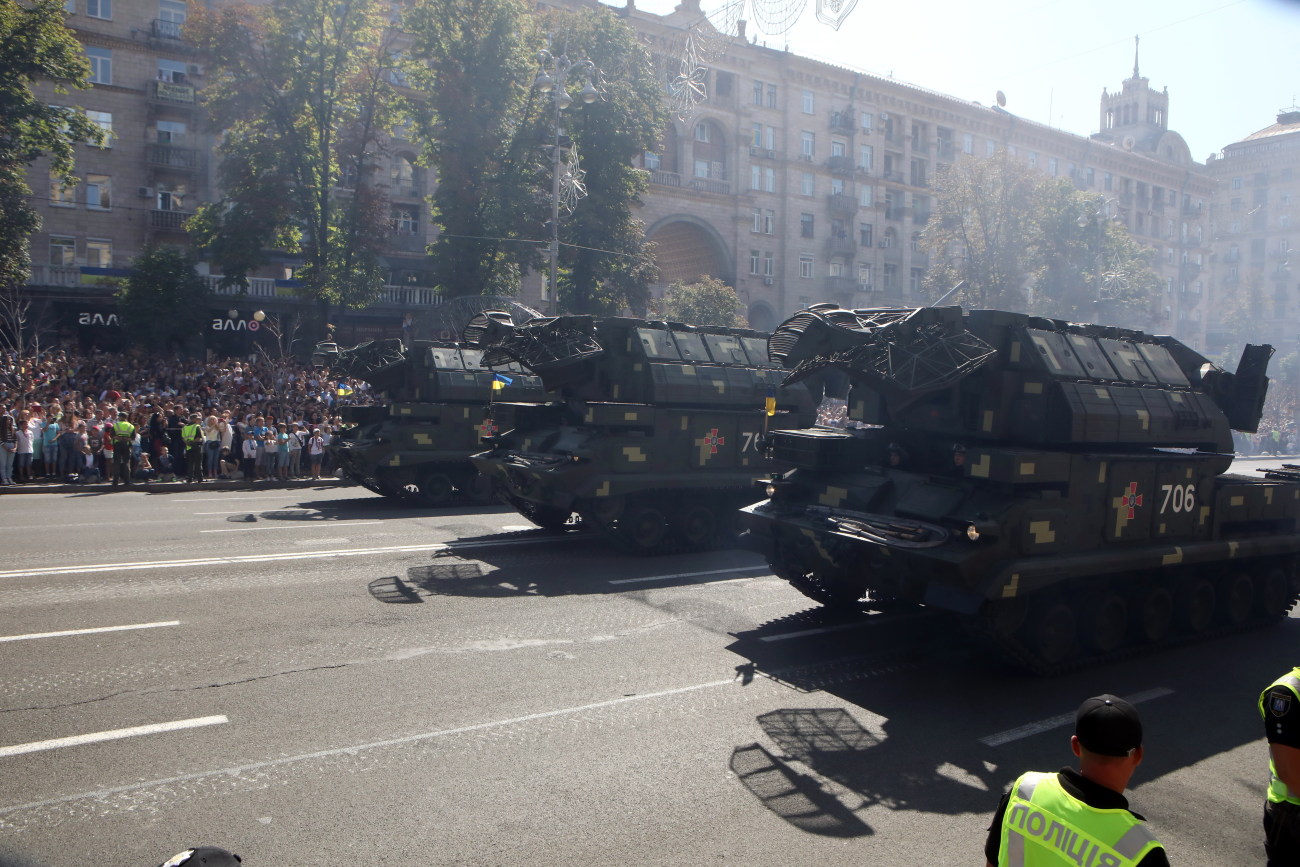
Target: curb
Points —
{"points": [[169, 487]]}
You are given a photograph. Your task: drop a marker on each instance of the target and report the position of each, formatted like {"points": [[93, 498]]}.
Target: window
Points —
{"points": [[402, 176], [101, 64], [864, 274], [758, 93], [1092, 178], [806, 184], [808, 102], [700, 168], [805, 225], [404, 221], [916, 242], [61, 194], [63, 251], [967, 143], [769, 222], [99, 8], [769, 264], [1053, 166], [769, 180], [914, 280], [1033, 159], [866, 196], [805, 266], [807, 143], [835, 269], [651, 160], [771, 96], [103, 120], [891, 278], [171, 11], [990, 147], [99, 253], [170, 200], [172, 71], [758, 135], [1107, 182], [866, 157], [838, 148], [864, 234], [702, 132], [866, 120], [769, 138], [755, 177], [754, 261], [837, 186], [98, 192]]}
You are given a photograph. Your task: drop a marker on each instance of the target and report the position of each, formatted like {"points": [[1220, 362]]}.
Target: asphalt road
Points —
{"points": [[322, 677]]}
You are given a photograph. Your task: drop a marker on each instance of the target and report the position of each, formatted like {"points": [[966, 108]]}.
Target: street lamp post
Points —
{"points": [[553, 76]]}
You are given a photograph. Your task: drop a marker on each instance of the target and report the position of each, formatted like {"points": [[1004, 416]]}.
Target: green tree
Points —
{"points": [[608, 263], [304, 92], [980, 231], [164, 302], [1027, 242], [36, 47], [469, 66], [703, 301]]}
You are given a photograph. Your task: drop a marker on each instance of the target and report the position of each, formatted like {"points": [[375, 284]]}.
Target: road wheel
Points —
{"points": [[1155, 616], [1107, 623], [644, 529], [1273, 593], [697, 527], [1052, 633], [436, 489], [1194, 605], [1238, 594], [1005, 617], [550, 518]]}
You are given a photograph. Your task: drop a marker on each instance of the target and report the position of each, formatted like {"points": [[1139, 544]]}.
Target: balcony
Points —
{"points": [[172, 157], [1191, 210], [666, 179], [920, 218], [841, 286], [840, 164], [167, 30], [170, 93], [920, 146], [842, 246], [168, 221], [709, 185], [896, 177], [843, 122], [842, 203], [944, 150]]}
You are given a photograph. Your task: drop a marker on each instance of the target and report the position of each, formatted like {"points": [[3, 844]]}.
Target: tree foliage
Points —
{"points": [[303, 91], [704, 301], [469, 67], [1027, 242], [164, 302], [609, 264], [35, 47]]}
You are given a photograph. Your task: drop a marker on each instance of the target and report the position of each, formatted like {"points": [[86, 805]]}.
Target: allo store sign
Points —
{"points": [[220, 324], [109, 320]]}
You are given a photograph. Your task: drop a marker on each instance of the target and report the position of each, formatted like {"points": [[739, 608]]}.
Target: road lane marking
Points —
{"points": [[360, 748], [269, 496], [297, 525], [91, 631], [685, 575], [113, 735], [1065, 719], [246, 512], [437, 547]]}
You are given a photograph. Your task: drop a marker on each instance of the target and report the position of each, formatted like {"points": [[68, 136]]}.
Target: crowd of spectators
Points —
{"points": [[259, 418]]}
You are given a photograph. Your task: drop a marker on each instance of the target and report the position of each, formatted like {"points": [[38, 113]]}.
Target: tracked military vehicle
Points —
{"points": [[1062, 487], [436, 402], [656, 433]]}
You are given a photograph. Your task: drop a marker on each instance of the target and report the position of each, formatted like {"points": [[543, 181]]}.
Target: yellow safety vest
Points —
{"points": [[1044, 825], [192, 434], [1278, 792], [123, 431]]}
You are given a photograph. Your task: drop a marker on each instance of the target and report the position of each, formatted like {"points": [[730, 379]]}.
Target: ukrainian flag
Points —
{"points": [[343, 390], [500, 381]]}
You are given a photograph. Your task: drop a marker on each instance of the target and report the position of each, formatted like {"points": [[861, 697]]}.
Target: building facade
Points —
{"points": [[795, 181]]}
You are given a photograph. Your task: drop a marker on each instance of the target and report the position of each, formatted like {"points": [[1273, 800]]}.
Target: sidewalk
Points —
{"points": [[45, 486]]}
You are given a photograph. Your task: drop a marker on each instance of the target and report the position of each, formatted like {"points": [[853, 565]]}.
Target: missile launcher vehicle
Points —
{"points": [[656, 435], [437, 402], [1063, 488]]}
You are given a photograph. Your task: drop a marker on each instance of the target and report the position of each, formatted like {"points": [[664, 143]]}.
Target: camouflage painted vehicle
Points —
{"points": [[1064, 487], [437, 404], [657, 434]]}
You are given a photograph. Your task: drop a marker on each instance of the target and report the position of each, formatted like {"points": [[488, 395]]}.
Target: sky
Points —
{"points": [[1229, 65]]}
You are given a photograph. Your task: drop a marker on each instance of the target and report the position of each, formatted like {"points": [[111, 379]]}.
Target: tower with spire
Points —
{"points": [[1137, 114]]}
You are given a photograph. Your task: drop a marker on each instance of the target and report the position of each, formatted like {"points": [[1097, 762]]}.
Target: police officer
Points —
{"points": [[1280, 707], [192, 436], [1080, 817], [123, 433]]}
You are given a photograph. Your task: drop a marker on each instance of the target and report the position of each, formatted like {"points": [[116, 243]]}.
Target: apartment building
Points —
{"points": [[1255, 226], [800, 181], [795, 180]]}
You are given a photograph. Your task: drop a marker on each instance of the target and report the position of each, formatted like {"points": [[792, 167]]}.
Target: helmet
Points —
{"points": [[203, 856]]}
